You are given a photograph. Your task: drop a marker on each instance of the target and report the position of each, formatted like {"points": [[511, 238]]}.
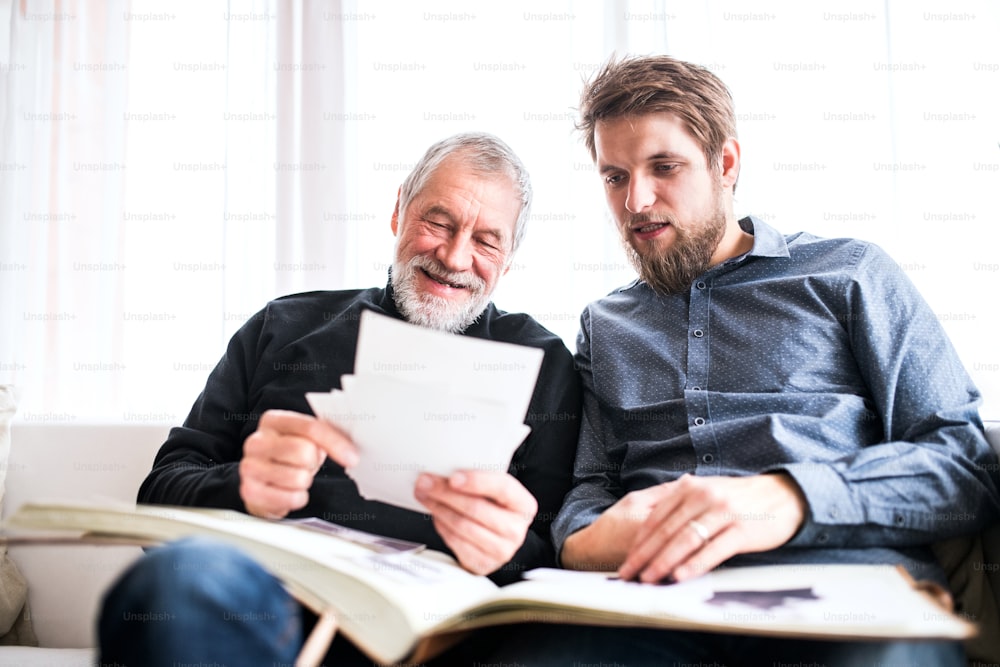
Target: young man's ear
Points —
{"points": [[395, 214], [730, 164]]}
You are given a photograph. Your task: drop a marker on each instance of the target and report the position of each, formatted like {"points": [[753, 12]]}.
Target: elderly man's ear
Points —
{"points": [[395, 213]]}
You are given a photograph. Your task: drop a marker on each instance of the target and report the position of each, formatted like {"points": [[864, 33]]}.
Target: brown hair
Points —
{"points": [[639, 85]]}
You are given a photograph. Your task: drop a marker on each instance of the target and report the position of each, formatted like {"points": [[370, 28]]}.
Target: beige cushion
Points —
{"points": [[973, 567], [13, 587]]}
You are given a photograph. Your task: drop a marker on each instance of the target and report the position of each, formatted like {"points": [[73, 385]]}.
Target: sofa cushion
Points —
{"points": [[24, 656], [13, 587], [973, 567]]}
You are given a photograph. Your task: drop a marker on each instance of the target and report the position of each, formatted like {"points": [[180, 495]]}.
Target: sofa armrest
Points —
{"points": [[993, 435]]}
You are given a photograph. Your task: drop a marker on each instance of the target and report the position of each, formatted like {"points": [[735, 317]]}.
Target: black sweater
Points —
{"points": [[305, 342]]}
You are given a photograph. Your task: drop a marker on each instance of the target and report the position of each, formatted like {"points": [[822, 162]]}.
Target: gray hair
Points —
{"points": [[484, 154]]}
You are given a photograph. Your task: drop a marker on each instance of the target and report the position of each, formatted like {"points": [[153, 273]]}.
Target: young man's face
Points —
{"points": [[670, 206], [453, 243]]}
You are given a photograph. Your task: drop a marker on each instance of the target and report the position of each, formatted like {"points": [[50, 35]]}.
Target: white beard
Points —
{"points": [[435, 312]]}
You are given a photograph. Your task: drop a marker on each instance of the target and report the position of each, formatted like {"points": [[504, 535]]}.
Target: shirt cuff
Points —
{"points": [[829, 499]]}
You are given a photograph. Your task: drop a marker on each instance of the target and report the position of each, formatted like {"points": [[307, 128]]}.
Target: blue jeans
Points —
{"points": [[196, 601], [200, 602]]}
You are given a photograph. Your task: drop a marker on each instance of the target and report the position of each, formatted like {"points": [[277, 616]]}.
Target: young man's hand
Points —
{"points": [[700, 522]]}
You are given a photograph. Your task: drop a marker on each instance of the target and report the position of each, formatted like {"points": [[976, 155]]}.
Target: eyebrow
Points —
{"points": [[437, 209], [662, 155]]}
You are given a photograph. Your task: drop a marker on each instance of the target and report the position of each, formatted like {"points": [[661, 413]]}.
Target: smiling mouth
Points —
{"points": [[441, 280]]}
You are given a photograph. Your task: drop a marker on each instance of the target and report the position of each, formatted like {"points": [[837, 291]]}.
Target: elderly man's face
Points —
{"points": [[453, 242]]}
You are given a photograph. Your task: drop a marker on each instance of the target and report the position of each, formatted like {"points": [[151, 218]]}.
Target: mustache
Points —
{"points": [[634, 219], [461, 278]]}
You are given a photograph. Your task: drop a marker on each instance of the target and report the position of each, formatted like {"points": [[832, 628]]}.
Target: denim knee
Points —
{"points": [[182, 598]]}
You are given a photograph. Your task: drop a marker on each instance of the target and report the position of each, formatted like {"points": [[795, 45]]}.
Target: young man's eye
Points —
{"points": [[614, 179]]}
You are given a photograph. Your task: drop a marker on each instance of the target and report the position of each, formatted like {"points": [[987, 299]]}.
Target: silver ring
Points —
{"points": [[699, 530]]}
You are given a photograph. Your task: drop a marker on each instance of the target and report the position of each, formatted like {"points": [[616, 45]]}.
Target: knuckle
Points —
{"points": [[302, 479], [709, 494], [686, 482], [253, 442], [730, 509], [247, 469], [268, 419]]}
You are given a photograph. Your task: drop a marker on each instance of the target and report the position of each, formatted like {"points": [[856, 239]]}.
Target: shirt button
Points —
{"points": [[708, 458], [700, 284], [822, 538], [899, 520], [695, 388], [698, 333], [698, 421]]}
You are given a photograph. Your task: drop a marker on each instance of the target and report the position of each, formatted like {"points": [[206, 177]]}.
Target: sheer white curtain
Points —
{"points": [[878, 120], [65, 81], [158, 187], [263, 143]]}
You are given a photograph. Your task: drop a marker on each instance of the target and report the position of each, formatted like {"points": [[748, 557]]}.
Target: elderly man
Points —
{"points": [[249, 444], [752, 397]]}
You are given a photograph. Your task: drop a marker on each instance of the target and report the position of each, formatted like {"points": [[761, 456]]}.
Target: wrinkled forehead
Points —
{"points": [[465, 195]]}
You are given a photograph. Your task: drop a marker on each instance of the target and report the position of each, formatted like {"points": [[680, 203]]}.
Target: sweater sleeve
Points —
{"points": [[198, 463]]}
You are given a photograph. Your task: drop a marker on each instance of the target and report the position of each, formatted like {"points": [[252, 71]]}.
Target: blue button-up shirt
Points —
{"points": [[812, 356]]}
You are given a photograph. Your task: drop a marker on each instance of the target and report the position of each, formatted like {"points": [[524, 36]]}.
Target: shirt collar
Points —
{"points": [[767, 241], [388, 299]]}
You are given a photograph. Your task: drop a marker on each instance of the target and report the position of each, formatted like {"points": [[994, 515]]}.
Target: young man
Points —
{"points": [[753, 397], [249, 443]]}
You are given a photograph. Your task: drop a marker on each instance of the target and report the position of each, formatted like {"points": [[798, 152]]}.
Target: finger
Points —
{"points": [[289, 478], [463, 530], [270, 502], [668, 514], [500, 487], [471, 513], [716, 551], [660, 561], [428, 486], [288, 450], [473, 554], [660, 548], [324, 435]]}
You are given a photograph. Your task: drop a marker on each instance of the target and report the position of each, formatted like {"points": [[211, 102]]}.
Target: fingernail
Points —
{"points": [[424, 483], [458, 479]]}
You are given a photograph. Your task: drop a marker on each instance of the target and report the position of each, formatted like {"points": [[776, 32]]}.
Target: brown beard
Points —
{"points": [[673, 269]]}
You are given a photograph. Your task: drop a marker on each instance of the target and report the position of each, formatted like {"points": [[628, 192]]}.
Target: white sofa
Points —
{"points": [[65, 582]]}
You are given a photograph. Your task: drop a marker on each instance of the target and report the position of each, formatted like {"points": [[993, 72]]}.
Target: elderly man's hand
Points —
{"points": [[702, 521], [482, 516], [281, 458]]}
